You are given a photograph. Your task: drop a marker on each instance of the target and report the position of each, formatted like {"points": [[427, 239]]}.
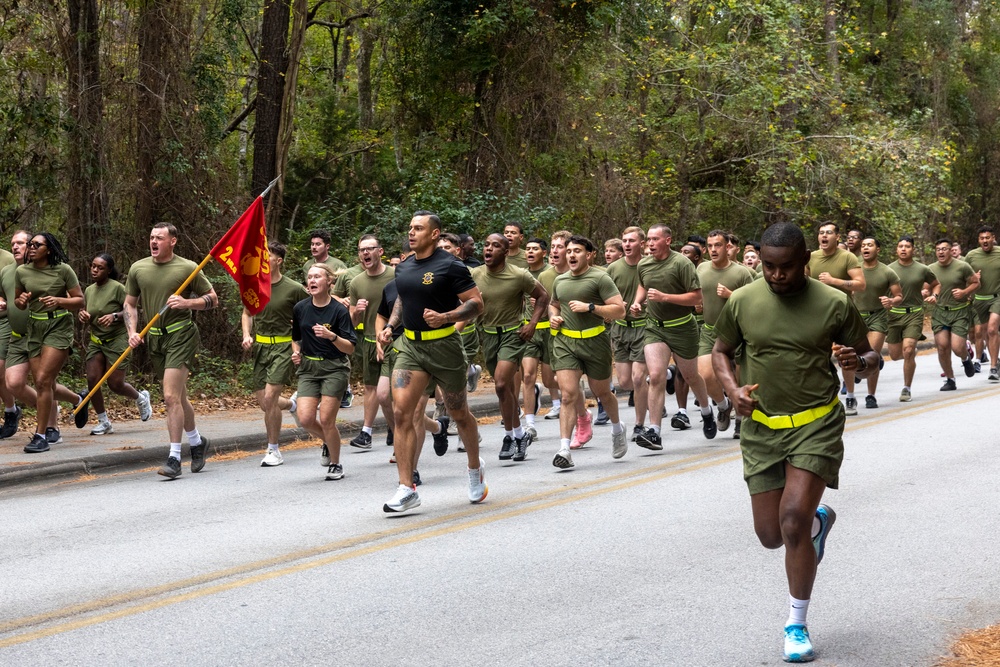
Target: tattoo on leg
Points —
{"points": [[401, 378], [454, 400]]}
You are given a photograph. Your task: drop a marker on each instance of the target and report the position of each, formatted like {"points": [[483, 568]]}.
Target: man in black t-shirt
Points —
{"points": [[435, 291]]}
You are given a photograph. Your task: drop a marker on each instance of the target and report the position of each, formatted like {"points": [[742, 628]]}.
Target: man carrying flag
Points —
{"points": [[174, 340]]}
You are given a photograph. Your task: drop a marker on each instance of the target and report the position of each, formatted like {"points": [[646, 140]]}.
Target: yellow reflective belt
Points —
{"points": [[173, 328], [708, 326], [905, 311], [950, 308], [16, 335], [573, 333], [312, 358], [94, 339], [544, 324], [360, 327], [867, 313], [272, 340], [631, 323], [370, 340], [50, 315], [469, 328], [986, 297], [779, 422], [672, 323], [501, 330], [433, 334]]}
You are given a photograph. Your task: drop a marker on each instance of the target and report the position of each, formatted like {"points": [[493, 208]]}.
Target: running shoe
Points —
{"points": [[538, 397], [977, 366], [798, 648], [680, 421], [348, 399], [870, 402], [826, 517], [461, 445], [272, 458], [324, 456], [293, 409], [532, 432], [584, 431], [171, 469], [472, 378], [904, 396], [362, 441], [53, 436], [949, 385], [144, 405], [390, 438], [405, 499], [521, 447], [416, 479], [441, 437], [477, 483], [563, 459], [994, 378], [637, 430], [553, 412], [37, 445], [11, 422], [602, 415], [439, 411], [851, 406], [198, 455], [631, 399], [335, 472], [970, 368], [83, 414], [649, 440], [843, 387], [724, 418], [619, 445], [708, 426], [671, 378], [507, 448], [736, 430], [984, 358], [102, 428]]}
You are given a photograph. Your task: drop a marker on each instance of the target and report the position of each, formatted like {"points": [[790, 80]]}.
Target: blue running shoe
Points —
{"points": [[826, 517], [798, 648]]}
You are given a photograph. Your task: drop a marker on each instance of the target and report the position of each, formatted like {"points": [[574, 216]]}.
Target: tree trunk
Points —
{"points": [[155, 70], [270, 92], [830, 35], [300, 11], [366, 107]]}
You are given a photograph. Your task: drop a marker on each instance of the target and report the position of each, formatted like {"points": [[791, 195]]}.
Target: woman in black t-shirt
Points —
{"points": [[323, 339]]}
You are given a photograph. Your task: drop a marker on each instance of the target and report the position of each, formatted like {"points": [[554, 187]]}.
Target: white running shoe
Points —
{"points": [[563, 459], [477, 483], [472, 379], [103, 428], [272, 458], [293, 410], [405, 500], [554, 412], [145, 408], [619, 445], [324, 456]]}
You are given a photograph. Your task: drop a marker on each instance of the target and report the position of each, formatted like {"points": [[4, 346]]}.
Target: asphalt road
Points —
{"points": [[650, 560]]}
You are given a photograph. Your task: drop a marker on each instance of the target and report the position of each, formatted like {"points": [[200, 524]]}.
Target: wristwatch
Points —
{"points": [[591, 307]]}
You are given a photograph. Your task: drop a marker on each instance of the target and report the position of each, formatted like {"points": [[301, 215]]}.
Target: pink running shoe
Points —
{"points": [[584, 431]]}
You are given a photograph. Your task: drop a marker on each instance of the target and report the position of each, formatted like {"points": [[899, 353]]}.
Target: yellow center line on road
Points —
{"points": [[412, 532]]}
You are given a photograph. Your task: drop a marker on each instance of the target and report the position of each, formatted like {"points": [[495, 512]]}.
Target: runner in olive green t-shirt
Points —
{"points": [[319, 247], [173, 339], [950, 322], [906, 320], [792, 437], [985, 260], [11, 411], [582, 300], [104, 311], [514, 233], [537, 351], [268, 337], [504, 333], [882, 292]]}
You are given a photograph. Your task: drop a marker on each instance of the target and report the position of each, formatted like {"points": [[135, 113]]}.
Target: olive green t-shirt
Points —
{"points": [[155, 282], [518, 260], [101, 300], [674, 275], [954, 276], [788, 340], [988, 264], [364, 286], [503, 294], [276, 318], [528, 310], [342, 286], [912, 278], [6, 259], [592, 286], [837, 265], [547, 278], [733, 276], [50, 281], [331, 261], [18, 318], [878, 281], [626, 277], [535, 274]]}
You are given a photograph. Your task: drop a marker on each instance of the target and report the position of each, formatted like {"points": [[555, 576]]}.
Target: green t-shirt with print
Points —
{"points": [[878, 281], [592, 286], [101, 300], [675, 274], [988, 266], [912, 278], [787, 341], [276, 318], [53, 280], [503, 293], [154, 282], [364, 286], [734, 276], [837, 265]]}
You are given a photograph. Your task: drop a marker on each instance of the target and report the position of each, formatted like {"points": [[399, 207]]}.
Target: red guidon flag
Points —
{"points": [[243, 254]]}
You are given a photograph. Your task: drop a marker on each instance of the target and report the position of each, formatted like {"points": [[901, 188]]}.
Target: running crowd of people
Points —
{"points": [[764, 344]]}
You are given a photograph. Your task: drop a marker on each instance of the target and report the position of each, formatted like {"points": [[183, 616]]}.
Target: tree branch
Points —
{"points": [[339, 26], [239, 119]]}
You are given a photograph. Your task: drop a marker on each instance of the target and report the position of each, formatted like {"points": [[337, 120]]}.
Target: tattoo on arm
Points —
{"points": [[468, 310], [397, 313]]}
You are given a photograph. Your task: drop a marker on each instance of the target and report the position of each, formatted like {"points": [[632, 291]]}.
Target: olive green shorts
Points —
{"points": [[817, 447], [904, 325], [173, 350], [111, 347], [983, 308], [442, 359], [4, 336], [876, 320], [539, 346], [628, 344], [590, 355], [706, 341], [470, 341], [371, 367], [324, 377], [389, 360], [956, 321], [17, 350], [272, 364], [506, 346], [682, 339], [57, 333]]}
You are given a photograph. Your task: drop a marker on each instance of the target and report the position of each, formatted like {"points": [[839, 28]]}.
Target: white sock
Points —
{"points": [[530, 418], [656, 429], [437, 427], [556, 403], [518, 432], [850, 394], [366, 429], [726, 405], [797, 610], [564, 443], [617, 428], [706, 412], [294, 406], [175, 450], [682, 411], [670, 375], [906, 388], [817, 526], [510, 433], [11, 410], [194, 438], [102, 417], [272, 447]]}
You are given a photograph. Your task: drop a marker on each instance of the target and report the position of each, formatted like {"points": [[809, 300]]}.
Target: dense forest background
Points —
{"points": [[586, 114]]}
